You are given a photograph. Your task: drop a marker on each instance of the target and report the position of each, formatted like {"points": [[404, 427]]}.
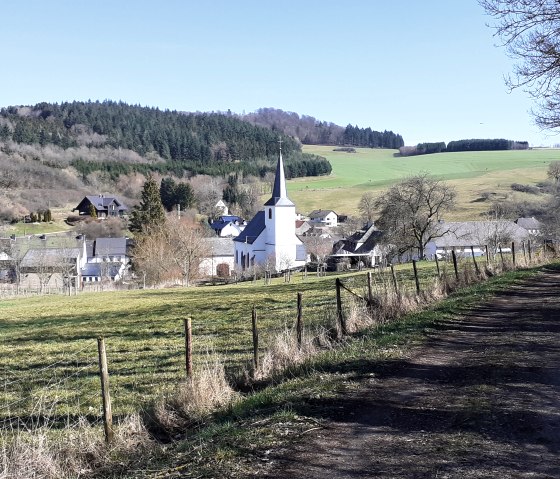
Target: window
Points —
{"points": [[270, 213]]}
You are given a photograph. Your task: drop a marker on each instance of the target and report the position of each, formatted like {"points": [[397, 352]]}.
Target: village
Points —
{"points": [[276, 240]]}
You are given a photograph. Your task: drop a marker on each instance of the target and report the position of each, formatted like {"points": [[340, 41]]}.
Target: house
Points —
{"points": [[107, 258], [461, 236], [221, 208], [104, 206], [302, 227], [532, 225], [221, 261], [51, 262], [228, 226], [363, 246], [324, 218], [270, 240]]}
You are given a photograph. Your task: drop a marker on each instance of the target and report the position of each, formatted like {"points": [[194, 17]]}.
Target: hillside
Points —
{"points": [[477, 176], [51, 154]]}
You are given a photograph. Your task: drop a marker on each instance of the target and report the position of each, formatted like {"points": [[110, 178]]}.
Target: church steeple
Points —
{"points": [[279, 194]]}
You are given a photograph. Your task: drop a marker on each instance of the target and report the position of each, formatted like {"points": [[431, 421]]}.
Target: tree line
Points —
{"points": [[311, 131], [202, 143], [463, 145]]}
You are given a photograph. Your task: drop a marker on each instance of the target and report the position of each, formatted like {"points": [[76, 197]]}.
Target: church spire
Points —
{"points": [[279, 194]]}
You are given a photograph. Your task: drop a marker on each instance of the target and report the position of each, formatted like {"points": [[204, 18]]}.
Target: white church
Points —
{"points": [[270, 237]]}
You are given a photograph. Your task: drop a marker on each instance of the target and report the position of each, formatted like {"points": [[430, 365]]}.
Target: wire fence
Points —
{"points": [[142, 368]]}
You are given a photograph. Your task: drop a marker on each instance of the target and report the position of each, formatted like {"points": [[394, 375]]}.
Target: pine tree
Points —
{"points": [[150, 213], [167, 193]]}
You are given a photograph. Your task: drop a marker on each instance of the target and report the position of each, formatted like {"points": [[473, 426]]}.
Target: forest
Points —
{"points": [[171, 141], [311, 131]]}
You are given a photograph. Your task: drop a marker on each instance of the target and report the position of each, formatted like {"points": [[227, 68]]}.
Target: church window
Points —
{"points": [[270, 213]]}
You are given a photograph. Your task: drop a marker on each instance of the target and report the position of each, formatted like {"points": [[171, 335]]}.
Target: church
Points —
{"points": [[270, 238]]}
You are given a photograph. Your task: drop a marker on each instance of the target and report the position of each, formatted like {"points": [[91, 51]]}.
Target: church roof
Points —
{"points": [[253, 230], [279, 195]]}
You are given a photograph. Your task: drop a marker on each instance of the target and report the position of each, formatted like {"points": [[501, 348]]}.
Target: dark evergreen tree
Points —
{"points": [[150, 213]]}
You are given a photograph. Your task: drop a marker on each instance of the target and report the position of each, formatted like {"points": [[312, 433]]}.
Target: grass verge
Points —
{"points": [[238, 441]]}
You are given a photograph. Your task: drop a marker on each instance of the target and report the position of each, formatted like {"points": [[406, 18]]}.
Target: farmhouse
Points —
{"points": [[532, 225], [460, 236], [104, 206], [107, 259], [362, 246], [270, 237], [323, 218]]}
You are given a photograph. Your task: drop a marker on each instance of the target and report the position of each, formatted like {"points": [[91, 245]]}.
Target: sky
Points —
{"points": [[430, 70]]}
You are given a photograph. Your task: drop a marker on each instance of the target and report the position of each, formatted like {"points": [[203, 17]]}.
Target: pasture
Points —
{"points": [[49, 350], [471, 173]]}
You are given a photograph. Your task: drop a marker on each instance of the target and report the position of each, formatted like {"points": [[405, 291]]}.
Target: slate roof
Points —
{"points": [[110, 246], [279, 196], [361, 242], [48, 256], [221, 246], [252, 230], [476, 233], [529, 223], [94, 269], [320, 213], [102, 202]]}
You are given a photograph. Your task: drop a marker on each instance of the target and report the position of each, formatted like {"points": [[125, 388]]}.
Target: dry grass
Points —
{"points": [[193, 401], [43, 453]]}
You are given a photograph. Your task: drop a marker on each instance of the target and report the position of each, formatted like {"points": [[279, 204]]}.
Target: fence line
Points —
{"points": [[318, 312]]}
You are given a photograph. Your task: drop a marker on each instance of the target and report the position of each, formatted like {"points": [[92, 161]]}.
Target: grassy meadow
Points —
{"points": [[49, 348], [471, 173]]}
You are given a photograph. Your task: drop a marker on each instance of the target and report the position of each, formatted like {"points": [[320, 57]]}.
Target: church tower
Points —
{"points": [[270, 237], [280, 220]]}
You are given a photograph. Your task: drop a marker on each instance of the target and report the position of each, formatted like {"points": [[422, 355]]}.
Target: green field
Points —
{"points": [[471, 173], [49, 347]]}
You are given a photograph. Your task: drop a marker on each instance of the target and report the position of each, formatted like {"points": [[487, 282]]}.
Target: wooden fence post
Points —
{"points": [[487, 255], [513, 253], [188, 346], [524, 252], [529, 250], [474, 261], [395, 284], [437, 265], [454, 256], [502, 257], [104, 375], [255, 341], [369, 290], [416, 276], [339, 315], [299, 323]]}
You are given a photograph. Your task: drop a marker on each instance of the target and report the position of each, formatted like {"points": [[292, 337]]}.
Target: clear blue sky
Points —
{"points": [[428, 70]]}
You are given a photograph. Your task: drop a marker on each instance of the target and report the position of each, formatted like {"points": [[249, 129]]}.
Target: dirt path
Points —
{"points": [[480, 399]]}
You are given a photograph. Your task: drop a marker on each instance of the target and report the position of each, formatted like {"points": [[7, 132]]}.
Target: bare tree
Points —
{"points": [[529, 30], [410, 212], [187, 246], [366, 206], [554, 171], [318, 247], [172, 251]]}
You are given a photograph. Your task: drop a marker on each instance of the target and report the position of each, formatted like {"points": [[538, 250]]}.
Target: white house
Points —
{"points": [[228, 226], [221, 208], [221, 260], [270, 237], [323, 218], [107, 259]]}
